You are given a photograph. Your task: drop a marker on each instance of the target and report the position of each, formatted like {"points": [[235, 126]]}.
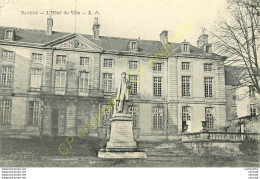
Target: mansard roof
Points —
{"points": [[39, 38]]}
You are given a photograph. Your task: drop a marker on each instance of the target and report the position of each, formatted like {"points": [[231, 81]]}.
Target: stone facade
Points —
{"points": [[78, 74]]}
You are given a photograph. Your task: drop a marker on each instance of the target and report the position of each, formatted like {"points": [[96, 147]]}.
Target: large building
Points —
{"points": [[53, 83]]}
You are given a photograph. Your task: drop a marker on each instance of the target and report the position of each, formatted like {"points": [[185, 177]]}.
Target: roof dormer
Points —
{"points": [[207, 48], [185, 47], [9, 34], [133, 46]]}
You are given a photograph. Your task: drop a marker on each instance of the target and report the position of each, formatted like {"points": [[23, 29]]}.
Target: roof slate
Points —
{"points": [[146, 47]]}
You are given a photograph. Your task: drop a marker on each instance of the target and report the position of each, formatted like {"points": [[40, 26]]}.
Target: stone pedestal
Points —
{"points": [[121, 143]]}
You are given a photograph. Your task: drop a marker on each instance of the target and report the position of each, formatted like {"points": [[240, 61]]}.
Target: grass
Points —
{"points": [[44, 153]]}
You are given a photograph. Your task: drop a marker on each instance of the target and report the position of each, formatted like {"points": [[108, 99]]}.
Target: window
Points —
{"points": [[185, 66], [158, 118], [8, 55], [186, 86], [7, 76], [61, 59], [107, 82], [133, 46], [5, 111], [185, 47], [8, 34], [157, 67], [34, 112], [251, 91], [84, 61], [133, 111], [36, 78], [133, 82], [157, 86], [60, 81], [208, 87], [207, 67], [208, 49], [108, 63], [133, 65], [209, 118], [252, 109], [83, 82], [37, 57], [234, 112], [106, 112], [186, 113]]}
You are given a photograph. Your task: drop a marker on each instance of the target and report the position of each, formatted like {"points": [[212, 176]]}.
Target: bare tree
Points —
{"points": [[237, 36]]}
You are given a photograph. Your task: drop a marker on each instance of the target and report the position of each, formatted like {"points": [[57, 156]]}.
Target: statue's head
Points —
{"points": [[123, 75]]}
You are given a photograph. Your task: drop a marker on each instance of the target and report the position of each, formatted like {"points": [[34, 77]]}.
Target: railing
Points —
{"points": [[46, 90], [219, 136]]}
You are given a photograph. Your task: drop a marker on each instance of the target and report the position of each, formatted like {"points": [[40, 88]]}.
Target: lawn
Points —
{"points": [[45, 153]]}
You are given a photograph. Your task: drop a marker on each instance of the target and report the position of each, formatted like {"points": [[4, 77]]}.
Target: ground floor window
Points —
{"points": [[209, 118], [34, 112], [133, 111], [158, 118], [5, 111]]}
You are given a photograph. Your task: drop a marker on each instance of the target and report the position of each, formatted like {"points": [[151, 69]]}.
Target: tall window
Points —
{"points": [[185, 86], [234, 112], [133, 111], [60, 81], [5, 111], [34, 112], [208, 67], [7, 76], [37, 57], [8, 55], [185, 65], [61, 59], [209, 118], [158, 118], [251, 91], [133, 65], [186, 113], [83, 82], [106, 112], [107, 82], [157, 86], [84, 61], [36, 78], [208, 87], [157, 67], [133, 82], [252, 109], [108, 63]]}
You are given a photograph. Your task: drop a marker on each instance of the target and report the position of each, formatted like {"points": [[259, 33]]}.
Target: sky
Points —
{"points": [[118, 18]]}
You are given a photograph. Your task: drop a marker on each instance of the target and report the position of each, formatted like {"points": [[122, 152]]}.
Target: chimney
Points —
{"points": [[164, 37], [96, 27], [49, 26], [203, 40]]}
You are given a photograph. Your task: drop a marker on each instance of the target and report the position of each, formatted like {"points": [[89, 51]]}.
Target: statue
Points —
{"points": [[122, 95]]}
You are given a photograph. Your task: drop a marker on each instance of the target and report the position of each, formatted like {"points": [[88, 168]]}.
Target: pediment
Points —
{"points": [[74, 41]]}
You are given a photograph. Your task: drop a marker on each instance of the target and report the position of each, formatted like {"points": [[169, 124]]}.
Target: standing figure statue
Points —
{"points": [[122, 95]]}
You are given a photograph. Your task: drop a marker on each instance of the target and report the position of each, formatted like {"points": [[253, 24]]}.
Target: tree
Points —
{"points": [[237, 37]]}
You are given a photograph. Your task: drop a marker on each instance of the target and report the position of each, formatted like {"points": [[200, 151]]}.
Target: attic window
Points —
{"points": [[9, 34], [207, 48], [133, 45], [185, 47]]}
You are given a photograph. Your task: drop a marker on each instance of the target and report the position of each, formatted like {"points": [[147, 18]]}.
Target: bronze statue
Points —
{"points": [[122, 95]]}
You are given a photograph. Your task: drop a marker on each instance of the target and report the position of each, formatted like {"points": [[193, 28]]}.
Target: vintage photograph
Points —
{"points": [[120, 83]]}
